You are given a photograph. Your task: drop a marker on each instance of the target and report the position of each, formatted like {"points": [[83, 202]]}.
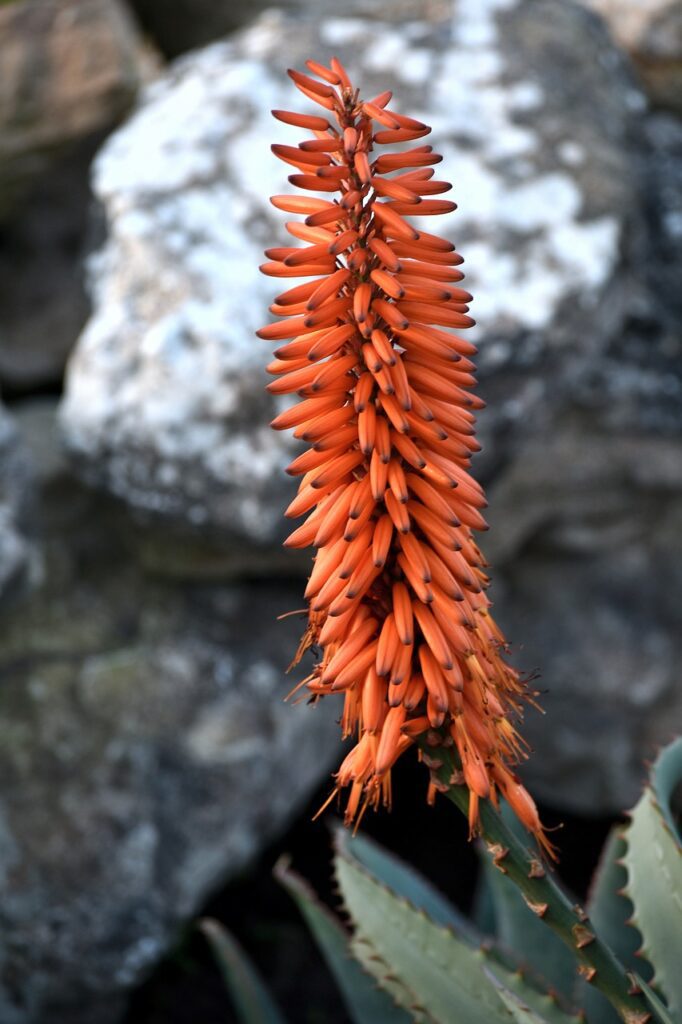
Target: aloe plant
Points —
{"points": [[410, 955]]}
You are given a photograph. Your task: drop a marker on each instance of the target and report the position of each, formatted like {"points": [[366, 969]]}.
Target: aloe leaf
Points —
{"points": [[253, 1002], [661, 1012], [467, 957], [366, 1004], [653, 861], [610, 912], [444, 974], [483, 910], [666, 776], [524, 986], [608, 908], [405, 881], [519, 1010], [519, 930]]}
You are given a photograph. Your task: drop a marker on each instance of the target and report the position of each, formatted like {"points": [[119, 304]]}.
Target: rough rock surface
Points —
{"points": [[14, 486], [180, 25], [69, 71], [69, 68], [651, 32], [586, 544], [145, 749], [42, 297], [164, 402]]}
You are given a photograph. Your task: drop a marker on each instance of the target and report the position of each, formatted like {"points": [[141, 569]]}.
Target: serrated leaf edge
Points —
{"points": [[289, 878], [485, 949], [411, 1001], [643, 952]]}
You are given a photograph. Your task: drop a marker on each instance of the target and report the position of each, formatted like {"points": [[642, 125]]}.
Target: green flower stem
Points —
{"points": [[597, 964]]}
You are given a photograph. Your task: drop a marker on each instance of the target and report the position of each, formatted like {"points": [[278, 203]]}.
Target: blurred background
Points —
{"points": [[149, 767]]}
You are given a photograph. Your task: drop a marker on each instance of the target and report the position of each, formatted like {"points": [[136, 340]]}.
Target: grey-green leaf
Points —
{"points": [[442, 972], [519, 1010], [366, 1004], [666, 776], [467, 957], [653, 861], [610, 912], [253, 1002], [405, 881], [430, 970], [483, 910], [608, 908], [661, 1012]]}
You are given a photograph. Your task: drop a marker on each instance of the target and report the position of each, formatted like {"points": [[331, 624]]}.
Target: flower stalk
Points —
{"points": [[543, 895], [398, 614]]}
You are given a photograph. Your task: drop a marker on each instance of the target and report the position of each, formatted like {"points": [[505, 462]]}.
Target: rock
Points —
{"points": [[146, 750], [585, 527], [663, 140], [177, 26], [180, 25], [13, 554], [69, 68], [14, 486], [164, 400], [41, 277], [651, 32]]}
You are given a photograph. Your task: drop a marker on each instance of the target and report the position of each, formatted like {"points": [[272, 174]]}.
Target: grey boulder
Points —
{"points": [[651, 33], [146, 751], [585, 544], [14, 487], [69, 68]]}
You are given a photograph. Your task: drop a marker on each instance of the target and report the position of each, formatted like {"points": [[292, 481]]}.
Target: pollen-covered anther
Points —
{"points": [[385, 406]]}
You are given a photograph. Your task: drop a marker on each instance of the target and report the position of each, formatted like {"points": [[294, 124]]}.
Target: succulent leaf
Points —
{"points": [[404, 881], [661, 1013], [525, 987], [366, 1004], [483, 911], [388, 981], [445, 973], [519, 930], [653, 861], [666, 776], [610, 912], [519, 1010], [252, 1001]]}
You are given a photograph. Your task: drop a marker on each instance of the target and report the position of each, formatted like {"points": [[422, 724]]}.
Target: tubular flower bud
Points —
{"points": [[397, 593]]}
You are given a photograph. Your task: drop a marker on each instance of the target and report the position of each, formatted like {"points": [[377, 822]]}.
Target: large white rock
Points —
{"points": [[164, 402]]}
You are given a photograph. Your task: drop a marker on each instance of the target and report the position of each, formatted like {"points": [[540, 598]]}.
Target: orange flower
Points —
{"points": [[397, 600]]}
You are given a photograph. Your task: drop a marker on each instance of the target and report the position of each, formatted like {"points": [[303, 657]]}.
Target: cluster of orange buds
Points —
{"points": [[397, 607]]}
